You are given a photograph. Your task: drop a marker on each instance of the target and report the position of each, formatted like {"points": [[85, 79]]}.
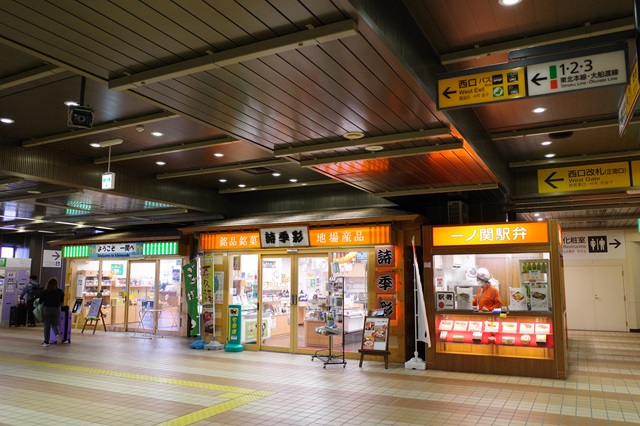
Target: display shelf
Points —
{"points": [[334, 326], [519, 335]]}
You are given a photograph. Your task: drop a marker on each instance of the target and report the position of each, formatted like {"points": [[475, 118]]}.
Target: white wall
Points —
{"points": [[631, 270]]}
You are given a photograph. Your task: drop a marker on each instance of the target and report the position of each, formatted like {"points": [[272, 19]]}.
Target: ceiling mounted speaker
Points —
{"points": [[561, 135]]}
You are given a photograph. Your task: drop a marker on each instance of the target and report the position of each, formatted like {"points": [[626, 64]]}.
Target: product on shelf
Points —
{"points": [[525, 339]]}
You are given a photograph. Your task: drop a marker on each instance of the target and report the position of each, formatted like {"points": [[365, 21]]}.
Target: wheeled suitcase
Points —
{"points": [[64, 327], [18, 315]]}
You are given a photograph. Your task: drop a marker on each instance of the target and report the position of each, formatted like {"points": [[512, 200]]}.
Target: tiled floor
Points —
{"points": [[112, 379]]}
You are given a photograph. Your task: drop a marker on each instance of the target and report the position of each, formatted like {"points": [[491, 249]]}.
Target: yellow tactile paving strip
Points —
{"points": [[236, 396]]}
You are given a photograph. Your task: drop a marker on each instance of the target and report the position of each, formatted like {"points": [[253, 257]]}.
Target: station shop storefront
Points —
{"points": [[280, 275], [129, 277]]}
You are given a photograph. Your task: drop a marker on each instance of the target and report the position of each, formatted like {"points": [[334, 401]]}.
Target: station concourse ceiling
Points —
{"points": [[210, 110]]}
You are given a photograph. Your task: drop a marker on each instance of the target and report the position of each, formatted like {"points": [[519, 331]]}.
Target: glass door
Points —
{"points": [[312, 278], [275, 310], [141, 294]]}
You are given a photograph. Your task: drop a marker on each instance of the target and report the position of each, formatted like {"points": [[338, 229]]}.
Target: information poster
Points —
{"points": [[376, 334]]}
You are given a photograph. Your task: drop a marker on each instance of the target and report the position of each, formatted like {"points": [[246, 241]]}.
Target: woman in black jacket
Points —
{"points": [[51, 298]]}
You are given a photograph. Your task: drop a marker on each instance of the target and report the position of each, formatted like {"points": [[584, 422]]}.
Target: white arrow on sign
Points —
{"points": [[585, 72]]}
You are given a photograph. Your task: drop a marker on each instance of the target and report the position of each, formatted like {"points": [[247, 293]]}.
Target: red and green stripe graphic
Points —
{"points": [[553, 77]]}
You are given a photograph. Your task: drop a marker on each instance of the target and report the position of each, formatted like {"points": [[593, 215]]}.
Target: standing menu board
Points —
{"points": [[375, 336], [94, 309]]}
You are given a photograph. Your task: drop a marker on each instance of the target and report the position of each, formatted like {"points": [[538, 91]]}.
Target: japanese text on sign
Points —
{"points": [[116, 250], [385, 256], [506, 233], [284, 237]]}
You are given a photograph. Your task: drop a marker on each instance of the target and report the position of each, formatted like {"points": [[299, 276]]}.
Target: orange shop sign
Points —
{"points": [[361, 235], [233, 240], [498, 234]]}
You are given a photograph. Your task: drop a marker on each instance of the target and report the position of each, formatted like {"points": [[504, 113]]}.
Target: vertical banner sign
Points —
{"points": [[208, 312], [422, 330], [206, 267], [191, 294]]}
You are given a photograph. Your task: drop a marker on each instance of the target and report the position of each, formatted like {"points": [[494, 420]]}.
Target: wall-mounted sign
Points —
{"points": [[233, 240], [116, 250], [295, 236], [584, 178], [500, 234], [361, 235], [385, 256], [386, 281], [51, 258], [594, 244]]}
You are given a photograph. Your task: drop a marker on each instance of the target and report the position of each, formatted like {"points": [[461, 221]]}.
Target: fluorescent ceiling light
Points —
{"points": [[6, 120], [538, 110], [160, 163], [545, 143], [157, 134], [104, 144], [509, 2]]}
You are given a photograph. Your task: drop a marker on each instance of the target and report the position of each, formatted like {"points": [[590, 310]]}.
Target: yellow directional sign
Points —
{"points": [[481, 88], [629, 99], [584, 178]]}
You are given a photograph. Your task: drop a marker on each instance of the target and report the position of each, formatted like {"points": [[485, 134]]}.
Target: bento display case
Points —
{"points": [[524, 336]]}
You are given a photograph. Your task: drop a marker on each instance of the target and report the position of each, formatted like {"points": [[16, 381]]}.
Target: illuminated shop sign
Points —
{"points": [[296, 236], [499, 234], [299, 236], [116, 250], [361, 235]]}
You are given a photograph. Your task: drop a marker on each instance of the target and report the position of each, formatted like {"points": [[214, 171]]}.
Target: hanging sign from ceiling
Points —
{"points": [[584, 72], [629, 100], [532, 77], [482, 87], [584, 178]]}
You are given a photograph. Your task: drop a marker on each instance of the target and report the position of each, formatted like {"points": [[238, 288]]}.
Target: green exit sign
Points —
{"points": [[108, 180], [3, 262]]}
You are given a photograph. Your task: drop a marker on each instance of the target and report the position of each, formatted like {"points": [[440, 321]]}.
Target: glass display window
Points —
{"points": [[520, 280]]}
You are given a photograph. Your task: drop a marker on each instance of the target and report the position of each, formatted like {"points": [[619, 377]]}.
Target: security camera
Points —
{"points": [[140, 128], [80, 116]]}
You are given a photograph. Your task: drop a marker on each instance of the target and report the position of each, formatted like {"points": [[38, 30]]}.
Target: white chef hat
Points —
{"points": [[483, 274]]}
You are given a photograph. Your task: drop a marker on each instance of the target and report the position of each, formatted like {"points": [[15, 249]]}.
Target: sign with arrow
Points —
{"points": [[585, 72], [51, 259], [593, 244], [602, 66], [584, 178], [480, 88]]}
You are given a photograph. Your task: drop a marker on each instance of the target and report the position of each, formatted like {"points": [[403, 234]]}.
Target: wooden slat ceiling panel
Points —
{"points": [[448, 168], [45, 41]]}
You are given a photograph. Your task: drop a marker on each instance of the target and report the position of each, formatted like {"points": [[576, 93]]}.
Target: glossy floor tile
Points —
{"points": [[112, 379]]}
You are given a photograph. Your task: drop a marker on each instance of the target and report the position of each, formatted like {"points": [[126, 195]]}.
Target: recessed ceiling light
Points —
{"points": [[218, 154], [242, 185], [71, 103], [540, 219], [158, 134], [538, 110], [509, 2], [373, 148], [536, 214], [545, 143], [276, 174], [222, 180], [549, 155], [293, 180], [160, 163], [6, 120], [353, 135]]}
